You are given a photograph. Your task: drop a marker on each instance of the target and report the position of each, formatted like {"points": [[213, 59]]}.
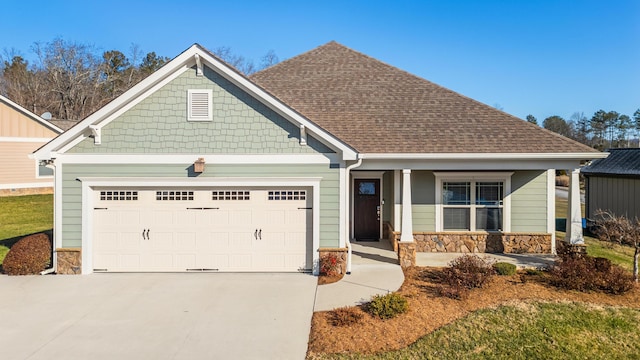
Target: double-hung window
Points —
{"points": [[475, 203]]}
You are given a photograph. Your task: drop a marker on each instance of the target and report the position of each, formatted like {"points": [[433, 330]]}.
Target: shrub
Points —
{"points": [[533, 272], [503, 268], [468, 271], [586, 273], [387, 306], [329, 264], [29, 256], [346, 316]]}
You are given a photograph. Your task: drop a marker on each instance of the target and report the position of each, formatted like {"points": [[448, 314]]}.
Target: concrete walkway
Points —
{"points": [[375, 271], [520, 260]]}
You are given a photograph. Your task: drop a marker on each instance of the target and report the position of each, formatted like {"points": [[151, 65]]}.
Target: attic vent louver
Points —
{"points": [[200, 107]]}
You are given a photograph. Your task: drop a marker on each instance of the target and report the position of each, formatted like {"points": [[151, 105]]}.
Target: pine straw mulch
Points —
{"points": [[429, 311]]}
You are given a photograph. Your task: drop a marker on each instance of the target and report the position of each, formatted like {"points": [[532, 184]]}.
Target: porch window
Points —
{"points": [[472, 205]]}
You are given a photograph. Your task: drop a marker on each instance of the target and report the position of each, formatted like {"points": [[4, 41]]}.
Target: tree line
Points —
{"points": [[603, 130], [71, 80]]}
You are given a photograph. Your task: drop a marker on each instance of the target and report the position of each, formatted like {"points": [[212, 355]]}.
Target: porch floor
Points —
{"points": [[440, 259]]}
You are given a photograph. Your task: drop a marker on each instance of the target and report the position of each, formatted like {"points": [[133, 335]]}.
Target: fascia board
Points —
{"points": [[486, 156], [31, 115]]}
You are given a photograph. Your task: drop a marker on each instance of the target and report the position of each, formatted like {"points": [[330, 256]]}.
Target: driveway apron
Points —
{"points": [[156, 316]]}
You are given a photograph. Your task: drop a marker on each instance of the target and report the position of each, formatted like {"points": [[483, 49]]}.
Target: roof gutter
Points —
{"points": [[486, 156]]}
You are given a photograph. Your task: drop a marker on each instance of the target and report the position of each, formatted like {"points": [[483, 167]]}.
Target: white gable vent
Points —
{"points": [[200, 107]]}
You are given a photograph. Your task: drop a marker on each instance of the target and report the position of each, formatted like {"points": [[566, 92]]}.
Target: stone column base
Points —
{"points": [[337, 255], [407, 254], [69, 261]]}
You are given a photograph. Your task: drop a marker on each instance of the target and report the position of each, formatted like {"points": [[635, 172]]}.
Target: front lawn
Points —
{"points": [[530, 330], [23, 215], [513, 317]]}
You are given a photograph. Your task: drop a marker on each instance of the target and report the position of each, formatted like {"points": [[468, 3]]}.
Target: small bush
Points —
{"points": [[533, 272], [29, 256], [468, 271], [387, 306], [329, 264], [346, 316], [503, 268], [586, 273]]}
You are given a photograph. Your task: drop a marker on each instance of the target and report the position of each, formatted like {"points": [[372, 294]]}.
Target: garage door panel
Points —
{"points": [[186, 242], [129, 241], [161, 241], [129, 218], [248, 230], [239, 261], [186, 261]]}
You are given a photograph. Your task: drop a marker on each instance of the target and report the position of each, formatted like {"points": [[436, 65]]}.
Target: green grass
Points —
{"points": [[23, 215], [530, 331]]}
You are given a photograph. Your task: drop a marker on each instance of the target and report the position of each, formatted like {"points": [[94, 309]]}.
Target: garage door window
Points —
{"points": [[230, 195], [119, 195], [174, 195], [288, 195]]}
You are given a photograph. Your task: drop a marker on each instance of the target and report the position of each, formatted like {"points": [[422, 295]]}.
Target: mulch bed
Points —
{"points": [[429, 311]]}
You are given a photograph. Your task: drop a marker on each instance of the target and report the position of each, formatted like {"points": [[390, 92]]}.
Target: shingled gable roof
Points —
{"points": [[377, 108]]}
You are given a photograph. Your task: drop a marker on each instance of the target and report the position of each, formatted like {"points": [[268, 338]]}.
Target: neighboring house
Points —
{"points": [[21, 133], [613, 184], [199, 168]]}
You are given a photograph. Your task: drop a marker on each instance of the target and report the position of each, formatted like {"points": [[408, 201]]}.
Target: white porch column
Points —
{"points": [[574, 214], [397, 201], [407, 216]]}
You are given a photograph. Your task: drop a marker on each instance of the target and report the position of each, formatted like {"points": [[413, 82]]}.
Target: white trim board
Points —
{"points": [[190, 158], [89, 183]]}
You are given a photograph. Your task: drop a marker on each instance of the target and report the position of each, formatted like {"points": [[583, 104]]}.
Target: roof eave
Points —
{"points": [[486, 156]]}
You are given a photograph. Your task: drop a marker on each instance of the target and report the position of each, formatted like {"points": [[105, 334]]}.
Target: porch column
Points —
{"points": [[574, 215], [407, 216], [397, 200]]}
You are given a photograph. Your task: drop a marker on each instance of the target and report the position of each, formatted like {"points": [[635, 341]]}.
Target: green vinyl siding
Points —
{"points": [[72, 192], [423, 198], [241, 124], [529, 201]]}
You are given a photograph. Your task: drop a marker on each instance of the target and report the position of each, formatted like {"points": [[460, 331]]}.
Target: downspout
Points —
{"points": [[348, 242], [54, 260]]}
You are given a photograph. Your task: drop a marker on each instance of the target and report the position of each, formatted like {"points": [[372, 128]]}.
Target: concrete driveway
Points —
{"points": [[156, 316]]}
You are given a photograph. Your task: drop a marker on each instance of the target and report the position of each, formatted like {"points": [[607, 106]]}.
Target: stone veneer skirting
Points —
{"points": [[69, 261], [26, 191], [341, 255], [476, 242]]}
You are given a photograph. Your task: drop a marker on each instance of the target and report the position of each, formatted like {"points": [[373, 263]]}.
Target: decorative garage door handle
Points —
{"points": [[145, 236], [257, 234], [260, 234]]}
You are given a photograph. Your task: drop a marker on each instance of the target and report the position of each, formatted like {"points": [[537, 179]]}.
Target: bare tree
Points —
{"points": [[610, 227]]}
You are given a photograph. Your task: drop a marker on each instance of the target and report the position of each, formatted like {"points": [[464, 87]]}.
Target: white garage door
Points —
{"points": [[202, 230]]}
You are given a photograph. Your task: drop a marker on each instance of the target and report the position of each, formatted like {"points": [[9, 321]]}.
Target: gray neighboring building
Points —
{"points": [[613, 183]]}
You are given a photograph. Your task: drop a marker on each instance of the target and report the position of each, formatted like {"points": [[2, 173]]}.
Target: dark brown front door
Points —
{"points": [[366, 209]]}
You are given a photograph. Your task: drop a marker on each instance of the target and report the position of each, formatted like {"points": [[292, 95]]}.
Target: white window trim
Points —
{"points": [[504, 177], [209, 116]]}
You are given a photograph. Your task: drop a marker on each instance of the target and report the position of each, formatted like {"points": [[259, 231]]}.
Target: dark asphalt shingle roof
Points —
{"points": [[619, 162], [377, 108]]}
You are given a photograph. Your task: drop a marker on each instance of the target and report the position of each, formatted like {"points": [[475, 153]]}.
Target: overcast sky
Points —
{"points": [[527, 57]]}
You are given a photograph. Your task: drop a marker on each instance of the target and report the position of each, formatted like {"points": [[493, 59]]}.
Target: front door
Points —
{"points": [[366, 209]]}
